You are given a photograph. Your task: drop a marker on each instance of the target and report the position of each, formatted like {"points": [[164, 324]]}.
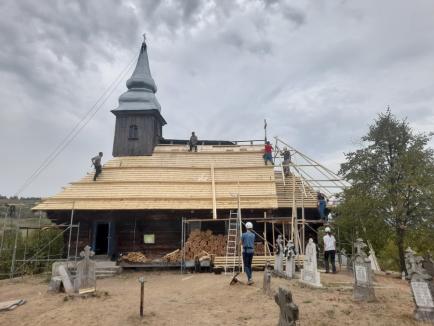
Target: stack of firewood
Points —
{"points": [[199, 242], [135, 257], [204, 245]]}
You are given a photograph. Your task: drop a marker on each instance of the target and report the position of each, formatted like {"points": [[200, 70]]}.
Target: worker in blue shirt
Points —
{"points": [[248, 242]]}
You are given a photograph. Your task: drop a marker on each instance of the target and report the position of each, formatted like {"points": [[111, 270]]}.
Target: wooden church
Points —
{"points": [[152, 183]]}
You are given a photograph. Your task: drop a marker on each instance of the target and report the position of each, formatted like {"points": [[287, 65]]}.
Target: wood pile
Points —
{"points": [[173, 257], [204, 245], [135, 257], [199, 242]]}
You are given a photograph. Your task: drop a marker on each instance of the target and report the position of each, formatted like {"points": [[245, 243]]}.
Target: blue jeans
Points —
{"points": [[321, 208], [247, 260], [268, 157]]}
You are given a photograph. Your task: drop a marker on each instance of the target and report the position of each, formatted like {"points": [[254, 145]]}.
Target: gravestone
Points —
{"points": [[85, 281], [343, 258], [421, 287], [266, 286], [363, 283], [66, 279], [278, 255], [290, 261], [309, 273], [55, 284], [414, 266], [60, 276], [288, 309]]}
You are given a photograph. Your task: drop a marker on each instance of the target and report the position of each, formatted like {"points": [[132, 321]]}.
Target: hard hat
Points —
{"points": [[327, 229], [285, 148], [249, 225]]}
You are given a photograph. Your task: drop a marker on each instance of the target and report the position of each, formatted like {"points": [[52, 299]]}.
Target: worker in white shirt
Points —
{"points": [[329, 250]]}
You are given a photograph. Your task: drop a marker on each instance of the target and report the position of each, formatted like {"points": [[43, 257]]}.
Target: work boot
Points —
{"points": [[250, 282]]}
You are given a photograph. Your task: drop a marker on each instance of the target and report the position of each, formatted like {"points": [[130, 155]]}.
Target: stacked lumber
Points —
{"points": [[203, 245], [135, 257], [258, 261]]}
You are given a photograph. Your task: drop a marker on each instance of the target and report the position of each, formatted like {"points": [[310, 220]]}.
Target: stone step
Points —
{"points": [[105, 275], [103, 270]]}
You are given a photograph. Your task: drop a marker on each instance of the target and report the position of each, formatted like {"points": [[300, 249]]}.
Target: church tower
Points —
{"points": [[139, 122]]}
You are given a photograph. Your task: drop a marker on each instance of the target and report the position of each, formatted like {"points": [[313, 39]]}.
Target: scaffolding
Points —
{"points": [[311, 175], [43, 256]]}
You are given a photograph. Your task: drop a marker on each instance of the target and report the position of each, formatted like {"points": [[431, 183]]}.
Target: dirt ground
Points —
{"points": [[205, 299]]}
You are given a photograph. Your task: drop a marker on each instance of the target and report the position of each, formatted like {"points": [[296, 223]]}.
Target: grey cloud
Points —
{"points": [[294, 14], [318, 71]]}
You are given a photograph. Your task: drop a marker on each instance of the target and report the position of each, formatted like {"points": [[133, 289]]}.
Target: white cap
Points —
{"points": [[327, 229], [249, 225]]}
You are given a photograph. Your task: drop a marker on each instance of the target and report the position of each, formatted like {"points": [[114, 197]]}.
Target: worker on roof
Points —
{"points": [[329, 250], [268, 156], [248, 242], [96, 161], [286, 160], [193, 142]]}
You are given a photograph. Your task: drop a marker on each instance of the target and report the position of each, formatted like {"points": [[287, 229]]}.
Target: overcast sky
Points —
{"points": [[319, 71]]}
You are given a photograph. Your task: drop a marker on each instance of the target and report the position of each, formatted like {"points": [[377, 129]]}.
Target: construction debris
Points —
{"points": [[172, 257], [11, 305]]}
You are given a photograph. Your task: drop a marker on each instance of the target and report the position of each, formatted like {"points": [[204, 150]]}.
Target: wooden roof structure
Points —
{"points": [[173, 178]]}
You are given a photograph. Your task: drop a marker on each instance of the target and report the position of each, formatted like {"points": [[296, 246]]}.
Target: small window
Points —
{"points": [[133, 132], [149, 238]]}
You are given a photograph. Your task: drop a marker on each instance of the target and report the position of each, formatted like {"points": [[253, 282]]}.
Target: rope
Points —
{"points": [[76, 129]]}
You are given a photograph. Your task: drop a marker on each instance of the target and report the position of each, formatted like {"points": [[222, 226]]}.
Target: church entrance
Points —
{"points": [[101, 238]]}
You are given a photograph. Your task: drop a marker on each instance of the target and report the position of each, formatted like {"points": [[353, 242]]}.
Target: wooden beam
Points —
{"points": [[214, 201]]}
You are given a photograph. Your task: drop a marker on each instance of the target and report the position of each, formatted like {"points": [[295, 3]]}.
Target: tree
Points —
{"points": [[392, 178]]}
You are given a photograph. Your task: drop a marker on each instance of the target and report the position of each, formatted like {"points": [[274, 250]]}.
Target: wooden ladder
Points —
{"points": [[233, 257]]}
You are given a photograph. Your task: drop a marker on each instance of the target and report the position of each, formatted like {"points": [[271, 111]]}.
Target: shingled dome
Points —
{"points": [[141, 87]]}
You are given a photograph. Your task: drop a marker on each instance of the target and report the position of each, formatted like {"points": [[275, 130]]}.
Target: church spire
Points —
{"points": [[141, 86], [139, 123]]}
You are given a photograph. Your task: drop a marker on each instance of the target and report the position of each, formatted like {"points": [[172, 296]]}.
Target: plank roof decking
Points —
{"points": [[173, 178], [305, 195]]}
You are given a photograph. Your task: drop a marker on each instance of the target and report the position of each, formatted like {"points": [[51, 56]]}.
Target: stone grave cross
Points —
{"points": [[278, 256], [309, 273], [421, 287], [362, 271], [289, 313], [360, 245], [85, 281], [290, 261], [266, 285]]}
